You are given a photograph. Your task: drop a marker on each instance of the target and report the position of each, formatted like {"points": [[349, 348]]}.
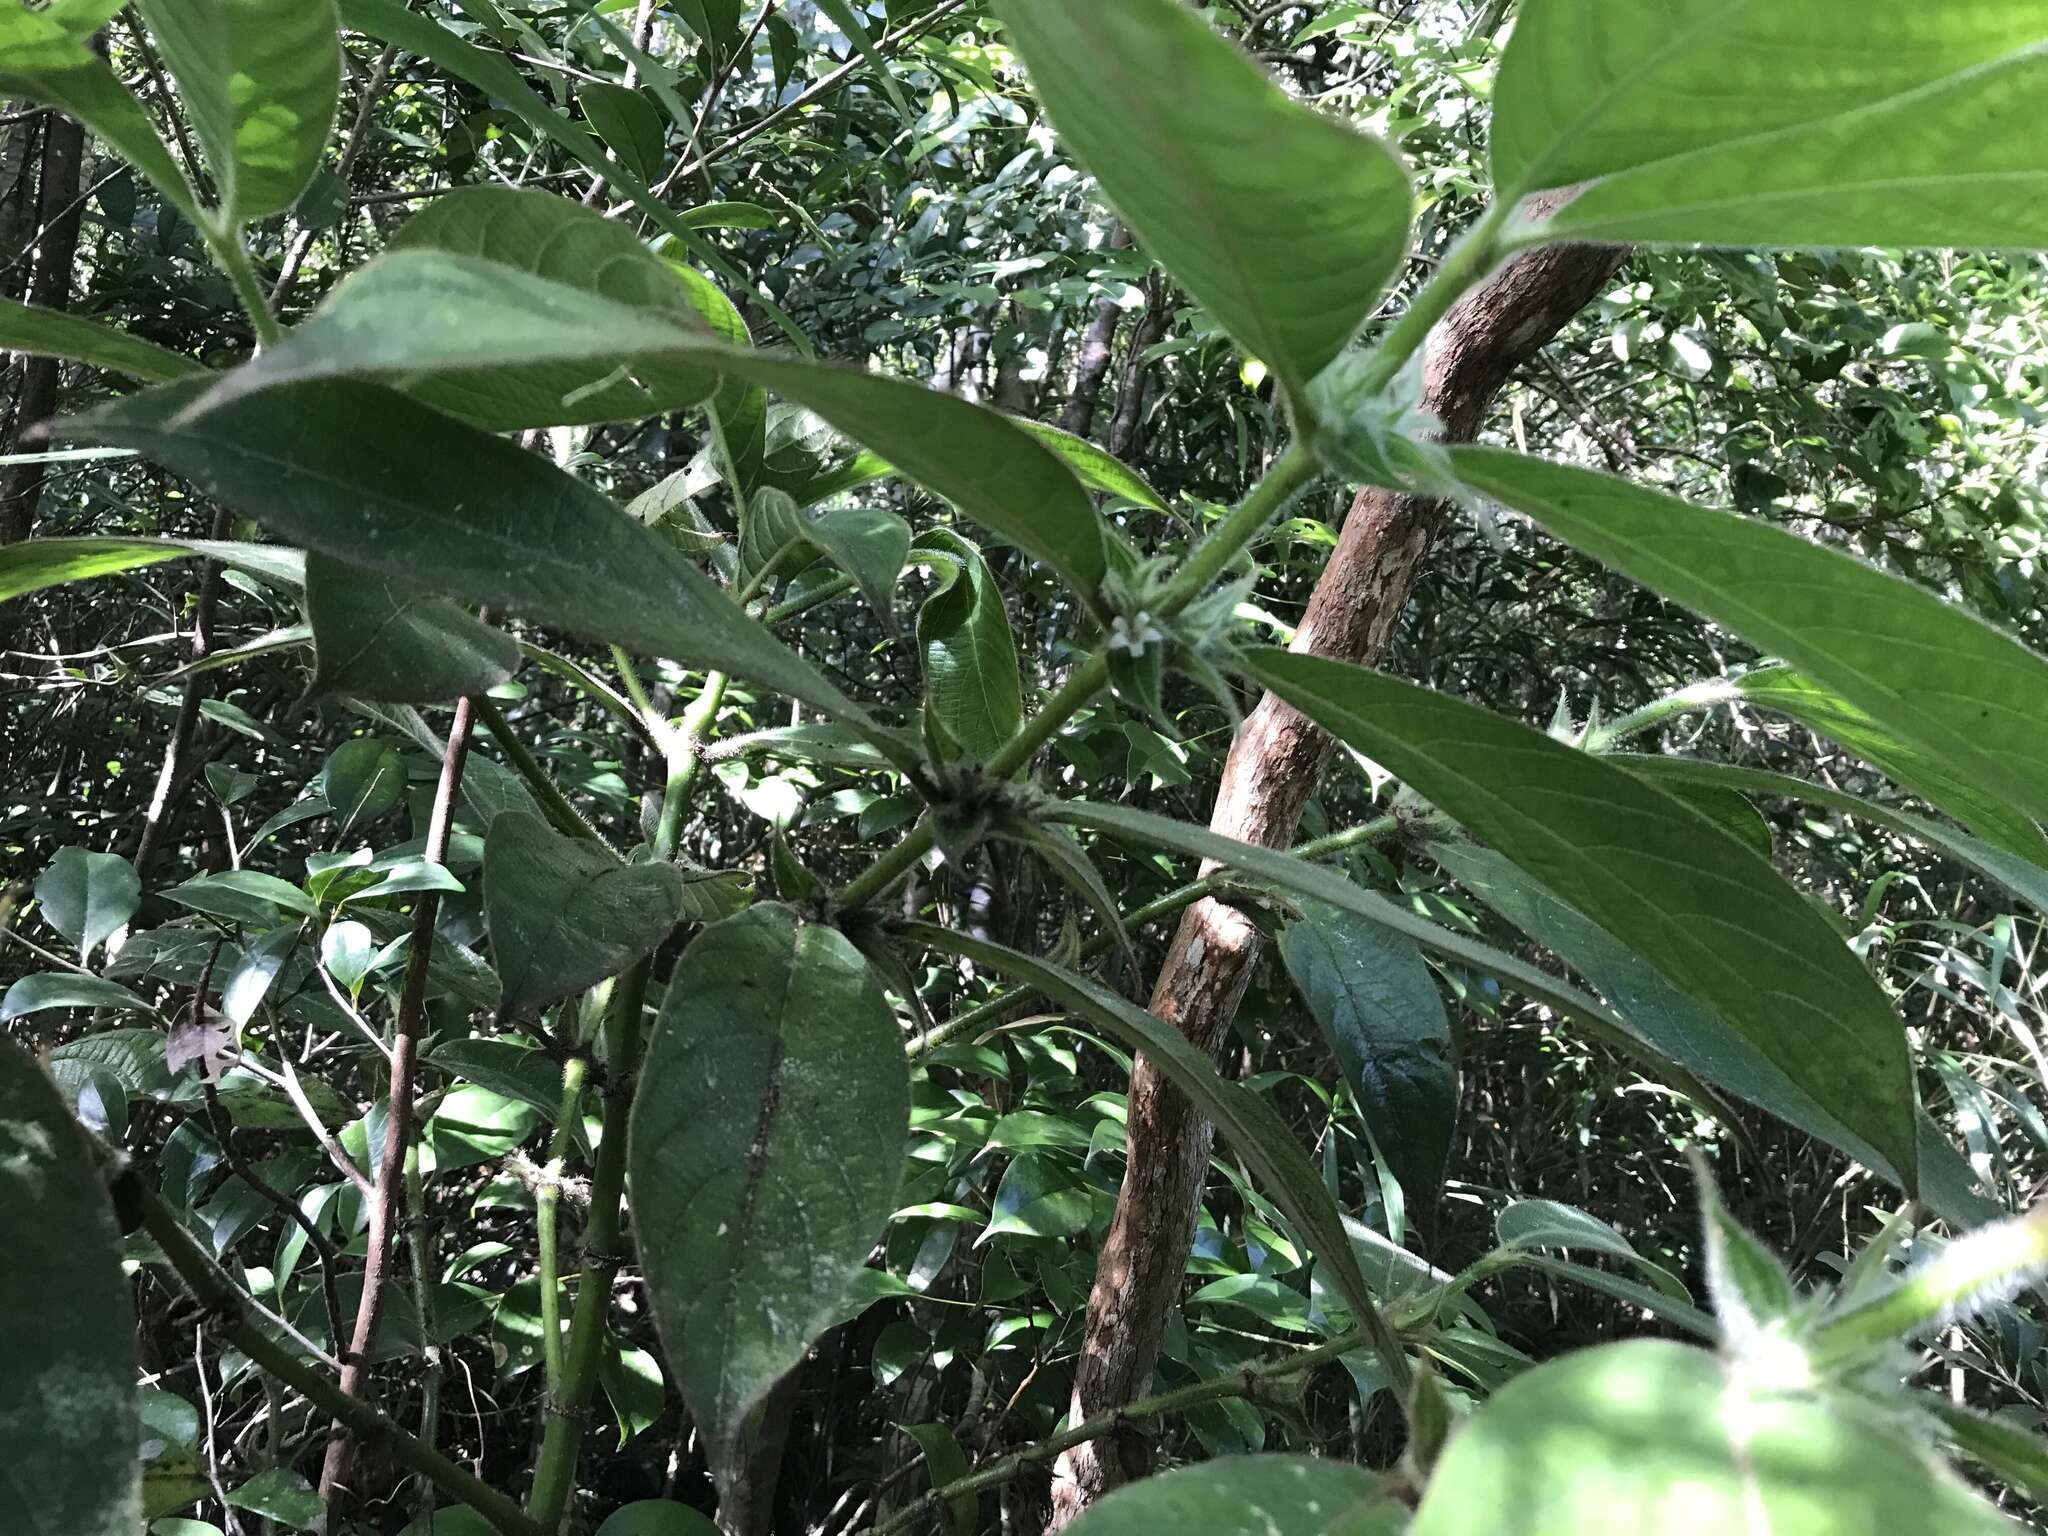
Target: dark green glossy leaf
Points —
{"points": [[378, 637], [1710, 914], [258, 79], [656, 1517], [564, 913], [486, 521], [1744, 122], [65, 989], [946, 1462], [1251, 1496], [1926, 670], [363, 780], [766, 1147], [56, 333], [1654, 1436], [630, 125], [282, 1496], [86, 896], [1379, 1010], [68, 1414], [1284, 223]]}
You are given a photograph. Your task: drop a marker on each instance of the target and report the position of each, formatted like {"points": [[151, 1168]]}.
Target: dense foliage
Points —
{"points": [[622, 618]]}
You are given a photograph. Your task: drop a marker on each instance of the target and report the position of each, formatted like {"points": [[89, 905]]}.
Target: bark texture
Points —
{"points": [[1271, 771], [59, 212]]}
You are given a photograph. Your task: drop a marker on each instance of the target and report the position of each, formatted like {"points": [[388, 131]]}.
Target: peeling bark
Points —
{"points": [[1271, 771]]}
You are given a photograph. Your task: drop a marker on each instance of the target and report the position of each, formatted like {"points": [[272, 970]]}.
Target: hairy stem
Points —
{"points": [[546, 1201]]}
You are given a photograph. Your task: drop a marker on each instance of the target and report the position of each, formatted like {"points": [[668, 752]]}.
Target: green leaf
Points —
{"points": [[945, 1462], [65, 989], [1549, 1224], [1039, 1197], [630, 125], [1254, 1129], [86, 896], [1913, 766], [971, 682], [564, 913], [34, 564], [43, 58], [2024, 879], [656, 1517], [848, 20], [1752, 1291], [1378, 1008], [872, 546], [766, 1147], [1924, 669], [56, 333], [258, 80], [1711, 915], [363, 780], [1655, 1436], [1251, 1496], [1691, 1034], [66, 1330], [1097, 468], [378, 637], [2014, 1457], [731, 216], [481, 518], [1285, 224], [283, 1496], [1743, 122], [243, 896]]}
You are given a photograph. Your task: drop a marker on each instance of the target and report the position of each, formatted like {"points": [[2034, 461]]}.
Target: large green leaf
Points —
{"points": [[65, 989], [258, 79], [564, 913], [1708, 912], [57, 333], [1754, 122], [1285, 224], [67, 1416], [1655, 1436], [377, 637], [46, 56], [1924, 669], [971, 681], [1694, 1035], [766, 1147], [1318, 883], [86, 896], [34, 564], [2024, 878], [1379, 1009], [870, 544], [474, 515], [1252, 1496], [1254, 1129]]}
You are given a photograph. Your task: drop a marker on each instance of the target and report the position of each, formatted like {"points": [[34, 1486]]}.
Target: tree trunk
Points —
{"points": [[1098, 347], [1271, 771], [21, 485]]}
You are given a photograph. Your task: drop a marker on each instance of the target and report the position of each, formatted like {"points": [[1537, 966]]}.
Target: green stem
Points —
{"points": [[226, 1301], [1293, 470], [553, 803], [1686, 701], [804, 602], [546, 1201], [554, 1479], [1244, 1383], [232, 257], [686, 762], [426, 1269]]}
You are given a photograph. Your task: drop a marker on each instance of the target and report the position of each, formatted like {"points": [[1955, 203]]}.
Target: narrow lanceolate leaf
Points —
{"points": [[1710, 914], [1285, 224], [1748, 122], [1924, 669], [1097, 468], [1253, 1128], [46, 55], [258, 79], [34, 564], [1318, 883], [564, 913], [478, 517], [1252, 1496], [1656, 1436], [1694, 1035], [1379, 1009], [65, 989], [56, 333], [67, 1413], [377, 637], [2024, 878], [765, 1151]]}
